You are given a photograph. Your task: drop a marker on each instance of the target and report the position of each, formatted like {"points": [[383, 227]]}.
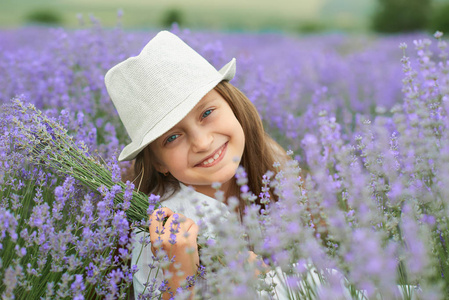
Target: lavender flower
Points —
{"points": [[362, 213]]}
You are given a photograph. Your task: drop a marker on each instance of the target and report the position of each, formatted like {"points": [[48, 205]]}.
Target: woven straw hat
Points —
{"points": [[156, 89]]}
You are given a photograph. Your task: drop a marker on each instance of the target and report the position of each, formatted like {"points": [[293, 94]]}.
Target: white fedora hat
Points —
{"points": [[156, 89]]}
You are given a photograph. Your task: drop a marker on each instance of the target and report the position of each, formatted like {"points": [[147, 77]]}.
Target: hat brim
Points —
{"points": [[173, 117]]}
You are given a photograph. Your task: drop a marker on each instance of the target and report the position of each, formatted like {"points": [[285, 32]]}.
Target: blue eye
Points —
{"points": [[171, 138], [206, 113]]}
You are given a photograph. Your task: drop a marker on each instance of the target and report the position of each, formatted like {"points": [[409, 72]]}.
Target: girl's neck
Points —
{"points": [[229, 188], [208, 190]]}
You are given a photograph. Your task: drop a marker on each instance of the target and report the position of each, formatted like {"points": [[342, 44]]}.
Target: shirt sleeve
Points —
{"points": [[147, 274]]}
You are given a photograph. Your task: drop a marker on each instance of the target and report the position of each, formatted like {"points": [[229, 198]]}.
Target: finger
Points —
{"points": [[163, 227], [178, 224], [161, 211], [191, 233], [172, 233], [174, 218], [158, 216], [157, 220], [175, 229]]}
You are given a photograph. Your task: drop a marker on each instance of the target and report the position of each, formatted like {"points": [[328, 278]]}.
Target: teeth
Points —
{"points": [[210, 160]]}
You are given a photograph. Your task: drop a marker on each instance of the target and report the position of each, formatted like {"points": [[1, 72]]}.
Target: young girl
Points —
{"points": [[188, 127]]}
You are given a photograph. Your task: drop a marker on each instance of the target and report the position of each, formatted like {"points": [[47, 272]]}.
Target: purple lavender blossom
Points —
{"points": [[371, 135]]}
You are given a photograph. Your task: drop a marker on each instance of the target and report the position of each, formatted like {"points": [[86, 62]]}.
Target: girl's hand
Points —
{"points": [[256, 260], [177, 236]]}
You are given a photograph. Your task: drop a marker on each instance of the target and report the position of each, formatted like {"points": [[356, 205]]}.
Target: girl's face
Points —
{"points": [[204, 147]]}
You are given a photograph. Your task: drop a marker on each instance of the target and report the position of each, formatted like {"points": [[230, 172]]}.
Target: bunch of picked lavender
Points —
{"points": [[69, 238], [46, 143]]}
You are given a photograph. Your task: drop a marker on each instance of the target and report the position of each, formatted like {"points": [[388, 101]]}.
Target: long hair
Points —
{"points": [[259, 155]]}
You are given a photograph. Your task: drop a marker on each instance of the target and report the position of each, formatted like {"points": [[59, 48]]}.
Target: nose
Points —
{"points": [[201, 140]]}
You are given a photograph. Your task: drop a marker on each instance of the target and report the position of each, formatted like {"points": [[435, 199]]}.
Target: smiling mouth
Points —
{"points": [[215, 158]]}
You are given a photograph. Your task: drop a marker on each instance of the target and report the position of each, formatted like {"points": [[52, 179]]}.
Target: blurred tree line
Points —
{"points": [[48, 16], [392, 16]]}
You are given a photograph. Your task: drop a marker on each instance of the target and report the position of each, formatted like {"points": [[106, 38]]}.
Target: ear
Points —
{"points": [[160, 168], [154, 160]]}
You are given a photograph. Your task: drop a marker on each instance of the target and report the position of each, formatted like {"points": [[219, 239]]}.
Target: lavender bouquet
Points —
{"points": [[46, 143], [69, 238]]}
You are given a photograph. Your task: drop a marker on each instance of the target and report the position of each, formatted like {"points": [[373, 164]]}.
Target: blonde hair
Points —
{"points": [[259, 155]]}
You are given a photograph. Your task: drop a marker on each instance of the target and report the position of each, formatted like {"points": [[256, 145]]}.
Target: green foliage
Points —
{"points": [[173, 15], [311, 27], [44, 16], [440, 18], [401, 15]]}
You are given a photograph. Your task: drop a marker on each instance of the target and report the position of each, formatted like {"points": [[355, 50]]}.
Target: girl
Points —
{"points": [[189, 127]]}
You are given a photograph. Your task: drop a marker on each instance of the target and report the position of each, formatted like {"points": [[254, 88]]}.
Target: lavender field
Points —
{"points": [[364, 204]]}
